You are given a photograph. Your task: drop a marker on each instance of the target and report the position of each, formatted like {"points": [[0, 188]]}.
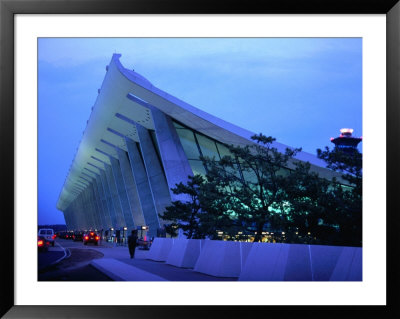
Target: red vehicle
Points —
{"points": [[43, 244], [91, 237]]}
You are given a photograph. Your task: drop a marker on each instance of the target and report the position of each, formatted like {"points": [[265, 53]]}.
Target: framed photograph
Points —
{"points": [[41, 38]]}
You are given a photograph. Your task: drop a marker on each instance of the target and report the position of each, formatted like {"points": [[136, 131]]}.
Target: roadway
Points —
{"points": [[69, 261], [83, 255]]}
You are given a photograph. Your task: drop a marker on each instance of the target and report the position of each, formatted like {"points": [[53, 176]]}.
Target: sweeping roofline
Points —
{"points": [[179, 110]]}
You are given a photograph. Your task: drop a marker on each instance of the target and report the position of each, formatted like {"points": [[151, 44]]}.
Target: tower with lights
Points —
{"points": [[346, 141]]}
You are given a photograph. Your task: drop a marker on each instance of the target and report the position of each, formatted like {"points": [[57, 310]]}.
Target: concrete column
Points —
{"points": [[114, 195], [143, 187], [71, 217], [100, 213], [130, 187], [123, 198], [107, 217], [100, 203], [88, 209], [95, 198], [155, 174], [108, 197], [74, 213], [79, 209], [175, 163], [67, 219], [95, 207]]}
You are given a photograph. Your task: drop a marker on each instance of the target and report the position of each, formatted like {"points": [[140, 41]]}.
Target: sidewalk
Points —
{"points": [[117, 264]]}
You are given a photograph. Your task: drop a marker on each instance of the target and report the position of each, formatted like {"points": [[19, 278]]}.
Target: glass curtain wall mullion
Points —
{"points": [[199, 148], [188, 142], [153, 138], [140, 151], [205, 145]]}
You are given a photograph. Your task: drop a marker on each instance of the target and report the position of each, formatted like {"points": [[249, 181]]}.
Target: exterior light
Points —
{"points": [[283, 233], [240, 233], [111, 228], [272, 233], [125, 228], [297, 233], [346, 130], [309, 233]]}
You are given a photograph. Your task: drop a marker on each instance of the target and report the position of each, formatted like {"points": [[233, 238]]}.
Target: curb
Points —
{"points": [[120, 271], [67, 253]]}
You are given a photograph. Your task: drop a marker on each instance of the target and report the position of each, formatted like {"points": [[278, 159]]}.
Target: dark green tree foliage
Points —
{"points": [[215, 209], [171, 229], [348, 200], [255, 197], [312, 211], [185, 215]]}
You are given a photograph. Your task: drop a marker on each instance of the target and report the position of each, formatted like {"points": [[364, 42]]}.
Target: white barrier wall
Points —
{"points": [[185, 252], [295, 262], [261, 261], [160, 249], [222, 258]]}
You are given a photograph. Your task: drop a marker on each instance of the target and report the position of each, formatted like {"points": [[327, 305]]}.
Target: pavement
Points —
{"points": [[118, 265]]}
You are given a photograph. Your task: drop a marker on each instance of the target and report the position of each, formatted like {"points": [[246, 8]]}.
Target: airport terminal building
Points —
{"points": [[138, 143]]}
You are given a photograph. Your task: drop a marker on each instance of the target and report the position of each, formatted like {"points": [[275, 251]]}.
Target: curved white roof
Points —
{"points": [[112, 99]]}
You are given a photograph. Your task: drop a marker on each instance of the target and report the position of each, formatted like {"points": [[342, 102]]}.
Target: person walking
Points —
{"points": [[132, 241]]}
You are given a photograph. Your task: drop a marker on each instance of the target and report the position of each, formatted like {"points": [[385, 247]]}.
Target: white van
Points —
{"points": [[48, 234]]}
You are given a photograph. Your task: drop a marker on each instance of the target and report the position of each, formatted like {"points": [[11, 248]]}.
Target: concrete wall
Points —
{"points": [[222, 258], [185, 252], [291, 262], [160, 249]]}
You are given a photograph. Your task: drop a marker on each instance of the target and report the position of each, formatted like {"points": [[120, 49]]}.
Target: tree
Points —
{"points": [[312, 207], [185, 215], [171, 229], [252, 184], [347, 198]]}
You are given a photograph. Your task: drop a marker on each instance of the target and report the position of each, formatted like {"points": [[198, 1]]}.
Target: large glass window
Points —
{"points": [[208, 147], [195, 144], [197, 167], [223, 150], [188, 143]]}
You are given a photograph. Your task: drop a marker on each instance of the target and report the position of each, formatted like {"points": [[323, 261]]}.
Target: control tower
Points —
{"points": [[345, 141]]}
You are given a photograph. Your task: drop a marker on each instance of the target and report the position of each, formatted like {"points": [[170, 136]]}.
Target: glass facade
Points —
{"points": [[189, 144], [207, 147], [196, 144]]}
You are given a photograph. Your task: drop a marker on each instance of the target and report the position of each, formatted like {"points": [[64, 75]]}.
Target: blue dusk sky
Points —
{"points": [[300, 91]]}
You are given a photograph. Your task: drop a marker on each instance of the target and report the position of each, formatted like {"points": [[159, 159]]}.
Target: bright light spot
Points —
{"points": [[346, 130]]}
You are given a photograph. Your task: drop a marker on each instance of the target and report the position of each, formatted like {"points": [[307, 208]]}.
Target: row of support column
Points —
{"points": [[134, 189]]}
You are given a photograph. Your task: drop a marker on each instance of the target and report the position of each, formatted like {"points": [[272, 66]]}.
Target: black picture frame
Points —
{"points": [[8, 10]]}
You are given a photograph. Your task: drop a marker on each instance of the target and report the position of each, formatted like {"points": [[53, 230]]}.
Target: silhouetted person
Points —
{"points": [[132, 242]]}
